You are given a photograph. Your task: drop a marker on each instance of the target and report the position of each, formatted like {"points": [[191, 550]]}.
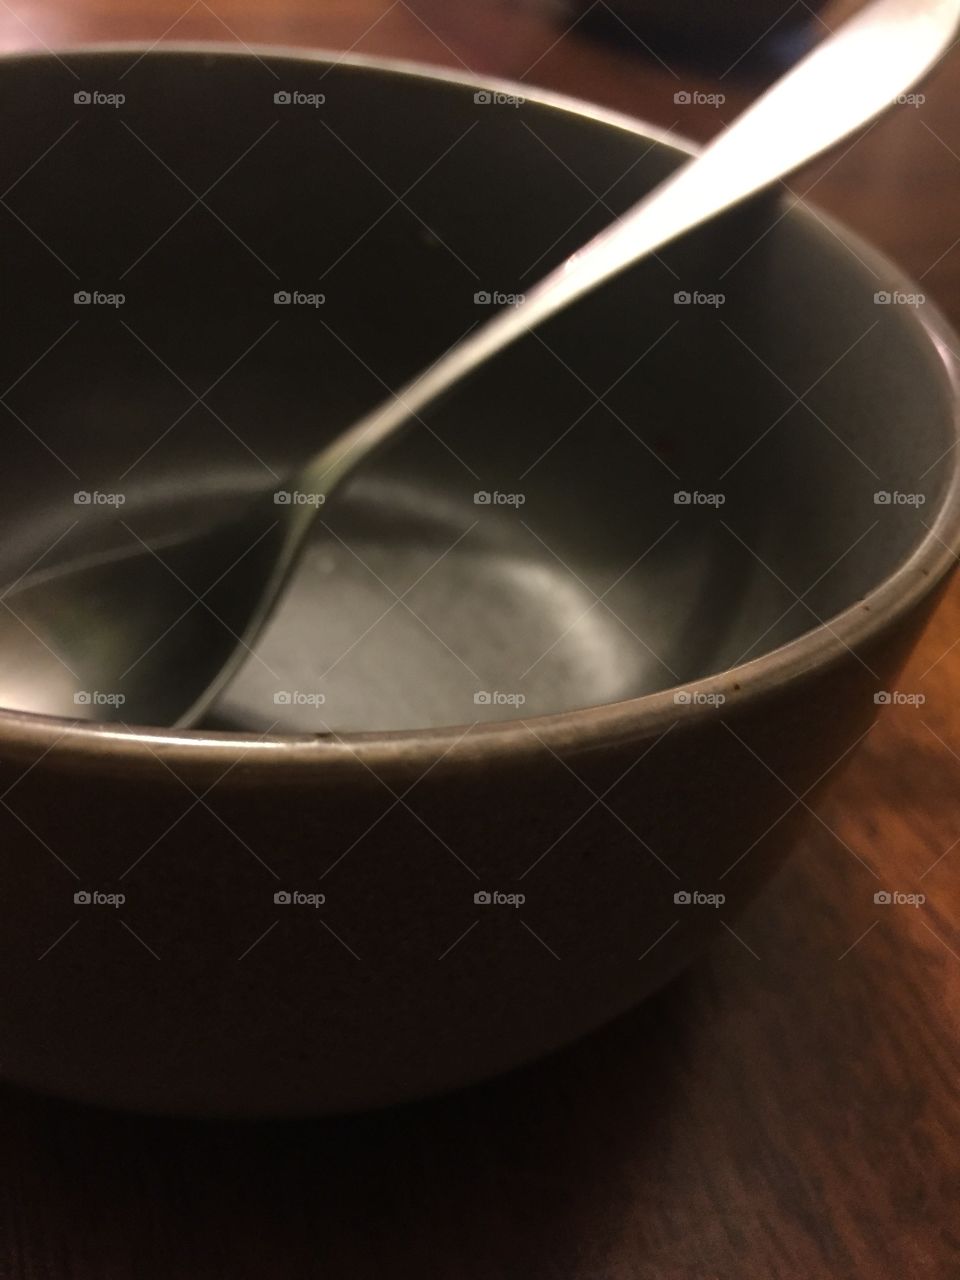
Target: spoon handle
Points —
{"points": [[845, 81]]}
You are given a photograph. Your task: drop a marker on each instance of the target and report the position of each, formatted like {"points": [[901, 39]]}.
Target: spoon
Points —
{"points": [[151, 635]]}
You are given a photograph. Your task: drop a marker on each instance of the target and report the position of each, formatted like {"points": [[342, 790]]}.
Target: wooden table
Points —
{"points": [[788, 1109]]}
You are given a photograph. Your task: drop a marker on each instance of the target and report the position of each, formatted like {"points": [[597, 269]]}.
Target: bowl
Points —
{"points": [[562, 671]]}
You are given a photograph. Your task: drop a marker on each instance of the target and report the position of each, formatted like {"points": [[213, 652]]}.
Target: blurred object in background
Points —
{"points": [[751, 38], [506, 37], [747, 37]]}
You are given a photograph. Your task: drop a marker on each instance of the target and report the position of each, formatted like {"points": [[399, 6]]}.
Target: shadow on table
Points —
{"points": [[515, 1177]]}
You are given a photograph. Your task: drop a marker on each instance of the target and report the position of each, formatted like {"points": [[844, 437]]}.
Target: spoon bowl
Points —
{"points": [[144, 634]]}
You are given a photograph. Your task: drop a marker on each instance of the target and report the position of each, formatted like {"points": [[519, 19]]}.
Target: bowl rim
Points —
{"points": [[24, 734]]}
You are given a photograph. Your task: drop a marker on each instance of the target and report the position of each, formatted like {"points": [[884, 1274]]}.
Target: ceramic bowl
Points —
{"points": [[562, 671]]}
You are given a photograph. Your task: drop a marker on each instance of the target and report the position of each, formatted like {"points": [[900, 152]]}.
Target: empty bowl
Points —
{"points": [[562, 668]]}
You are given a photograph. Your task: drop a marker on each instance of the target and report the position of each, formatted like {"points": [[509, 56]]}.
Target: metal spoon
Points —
{"points": [[93, 625]]}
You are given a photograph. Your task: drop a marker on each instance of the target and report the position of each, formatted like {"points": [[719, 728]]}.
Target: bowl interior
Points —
{"points": [[646, 491]]}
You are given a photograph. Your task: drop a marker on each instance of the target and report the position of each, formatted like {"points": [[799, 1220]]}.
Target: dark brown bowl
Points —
{"points": [[691, 671]]}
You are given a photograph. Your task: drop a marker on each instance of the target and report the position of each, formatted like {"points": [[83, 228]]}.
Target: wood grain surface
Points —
{"points": [[790, 1108]]}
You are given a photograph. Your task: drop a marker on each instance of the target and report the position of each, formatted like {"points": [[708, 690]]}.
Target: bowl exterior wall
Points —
{"points": [[201, 993]]}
